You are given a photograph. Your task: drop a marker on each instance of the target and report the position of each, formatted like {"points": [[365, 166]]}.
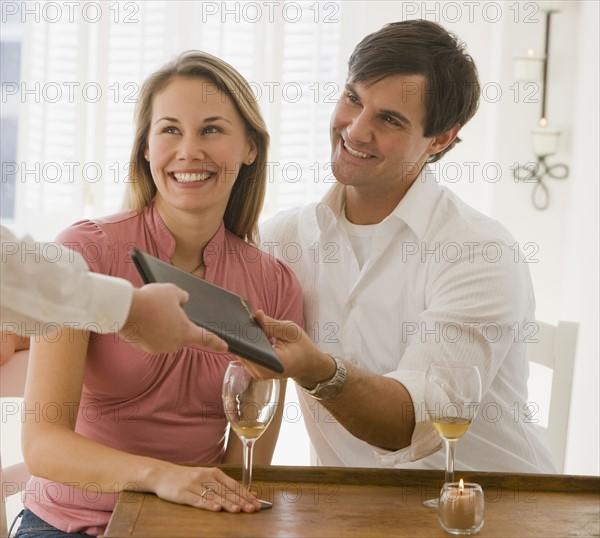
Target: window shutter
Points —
{"points": [[74, 151], [76, 137], [50, 154], [310, 87], [134, 51]]}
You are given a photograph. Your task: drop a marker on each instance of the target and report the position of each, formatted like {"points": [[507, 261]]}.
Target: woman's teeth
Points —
{"points": [[189, 177]]}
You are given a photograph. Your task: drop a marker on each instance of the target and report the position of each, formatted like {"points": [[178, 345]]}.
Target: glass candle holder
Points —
{"points": [[529, 68], [461, 508], [545, 140]]}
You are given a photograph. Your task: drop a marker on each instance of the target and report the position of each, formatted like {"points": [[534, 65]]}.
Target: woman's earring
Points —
{"points": [[146, 157]]}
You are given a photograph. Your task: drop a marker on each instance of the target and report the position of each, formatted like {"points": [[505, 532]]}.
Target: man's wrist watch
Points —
{"points": [[329, 389]]}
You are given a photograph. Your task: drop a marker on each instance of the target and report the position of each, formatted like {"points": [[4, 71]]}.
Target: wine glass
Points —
{"points": [[452, 397], [250, 405]]}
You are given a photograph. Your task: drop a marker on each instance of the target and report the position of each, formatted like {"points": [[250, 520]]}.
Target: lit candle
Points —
{"points": [[545, 139], [461, 508], [529, 68]]}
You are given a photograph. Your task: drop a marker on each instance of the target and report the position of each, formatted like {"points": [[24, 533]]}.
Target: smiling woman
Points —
{"points": [[185, 112], [195, 198], [196, 146]]}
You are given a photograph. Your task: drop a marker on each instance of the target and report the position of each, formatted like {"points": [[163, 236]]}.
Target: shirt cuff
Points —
{"points": [[425, 439], [110, 302]]}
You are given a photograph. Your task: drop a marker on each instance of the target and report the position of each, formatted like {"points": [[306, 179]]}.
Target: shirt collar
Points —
{"points": [[165, 242], [418, 204], [330, 208], [215, 248], [161, 235], [415, 209]]}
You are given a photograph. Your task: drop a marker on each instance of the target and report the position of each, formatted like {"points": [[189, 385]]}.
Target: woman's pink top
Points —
{"points": [[166, 406]]}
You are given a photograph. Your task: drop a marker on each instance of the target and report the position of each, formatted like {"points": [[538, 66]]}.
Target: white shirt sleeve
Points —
{"points": [[46, 285], [481, 332], [425, 440]]}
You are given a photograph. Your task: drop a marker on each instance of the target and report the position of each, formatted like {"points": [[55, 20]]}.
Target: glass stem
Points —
{"points": [[247, 466], [450, 448]]}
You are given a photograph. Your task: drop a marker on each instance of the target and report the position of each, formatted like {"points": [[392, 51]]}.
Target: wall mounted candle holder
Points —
{"points": [[533, 68]]}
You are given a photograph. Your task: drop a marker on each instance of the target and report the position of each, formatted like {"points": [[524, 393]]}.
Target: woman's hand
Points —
{"points": [[203, 487]]}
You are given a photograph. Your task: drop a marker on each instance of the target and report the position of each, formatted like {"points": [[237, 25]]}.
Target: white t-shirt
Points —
{"points": [[361, 238]]}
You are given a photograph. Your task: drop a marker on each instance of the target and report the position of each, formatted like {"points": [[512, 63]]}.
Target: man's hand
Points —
{"points": [[158, 324], [300, 358], [9, 344], [387, 421]]}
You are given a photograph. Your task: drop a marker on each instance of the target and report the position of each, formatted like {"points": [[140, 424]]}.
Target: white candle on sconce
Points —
{"points": [[550, 5], [545, 139], [529, 68]]}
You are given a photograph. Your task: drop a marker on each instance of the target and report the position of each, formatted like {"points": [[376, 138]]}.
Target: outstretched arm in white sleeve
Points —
{"points": [[45, 286]]}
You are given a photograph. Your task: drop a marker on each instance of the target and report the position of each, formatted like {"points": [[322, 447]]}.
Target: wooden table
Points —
{"points": [[333, 502]]}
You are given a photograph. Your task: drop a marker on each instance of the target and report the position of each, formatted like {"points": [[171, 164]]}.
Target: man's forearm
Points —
{"points": [[374, 408]]}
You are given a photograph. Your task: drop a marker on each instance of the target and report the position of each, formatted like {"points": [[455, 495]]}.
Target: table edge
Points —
{"points": [[419, 477], [130, 503]]}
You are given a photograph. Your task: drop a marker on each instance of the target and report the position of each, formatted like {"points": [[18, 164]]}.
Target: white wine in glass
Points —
{"points": [[451, 428], [452, 397], [250, 406], [248, 429]]}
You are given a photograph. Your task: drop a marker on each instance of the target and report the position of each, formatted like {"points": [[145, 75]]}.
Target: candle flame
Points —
{"points": [[543, 122], [461, 486]]}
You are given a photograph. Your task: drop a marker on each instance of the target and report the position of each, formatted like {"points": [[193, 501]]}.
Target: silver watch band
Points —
{"points": [[330, 388]]}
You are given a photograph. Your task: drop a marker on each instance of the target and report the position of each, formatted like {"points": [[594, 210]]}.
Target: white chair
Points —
{"points": [[12, 385], [554, 346]]}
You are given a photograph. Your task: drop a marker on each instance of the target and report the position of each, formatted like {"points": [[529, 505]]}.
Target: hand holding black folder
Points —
{"points": [[222, 312]]}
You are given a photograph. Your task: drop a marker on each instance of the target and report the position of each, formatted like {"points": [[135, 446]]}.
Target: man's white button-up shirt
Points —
{"points": [[443, 283]]}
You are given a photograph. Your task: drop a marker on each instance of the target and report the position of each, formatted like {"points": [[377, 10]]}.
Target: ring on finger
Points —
{"points": [[206, 492]]}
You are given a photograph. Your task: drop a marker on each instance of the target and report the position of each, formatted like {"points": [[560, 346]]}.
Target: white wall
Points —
{"points": [[563, 239], [579, 297]]}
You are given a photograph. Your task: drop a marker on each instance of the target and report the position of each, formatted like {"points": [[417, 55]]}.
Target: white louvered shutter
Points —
{"points": [[309, 90], [133, 51], [51, 150], [76, 148]]}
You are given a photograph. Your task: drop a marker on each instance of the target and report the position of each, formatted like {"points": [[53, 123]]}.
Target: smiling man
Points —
{"points": [[398, 272]]}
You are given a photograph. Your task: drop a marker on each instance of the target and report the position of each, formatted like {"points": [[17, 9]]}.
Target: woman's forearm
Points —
{"points": [[53, 450], [61, 455], [51, 447]]}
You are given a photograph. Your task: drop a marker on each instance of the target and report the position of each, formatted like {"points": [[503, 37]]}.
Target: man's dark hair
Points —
{"points": [[420, 47]]}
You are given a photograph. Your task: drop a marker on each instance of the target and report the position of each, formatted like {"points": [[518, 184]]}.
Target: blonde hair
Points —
{"points": [[248, 192]]}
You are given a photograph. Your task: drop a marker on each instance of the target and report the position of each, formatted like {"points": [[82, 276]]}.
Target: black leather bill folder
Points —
{"points": [[222, 312]]}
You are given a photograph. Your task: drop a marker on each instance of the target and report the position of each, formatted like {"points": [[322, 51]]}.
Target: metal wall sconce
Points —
{"points": [[532, 68]]}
